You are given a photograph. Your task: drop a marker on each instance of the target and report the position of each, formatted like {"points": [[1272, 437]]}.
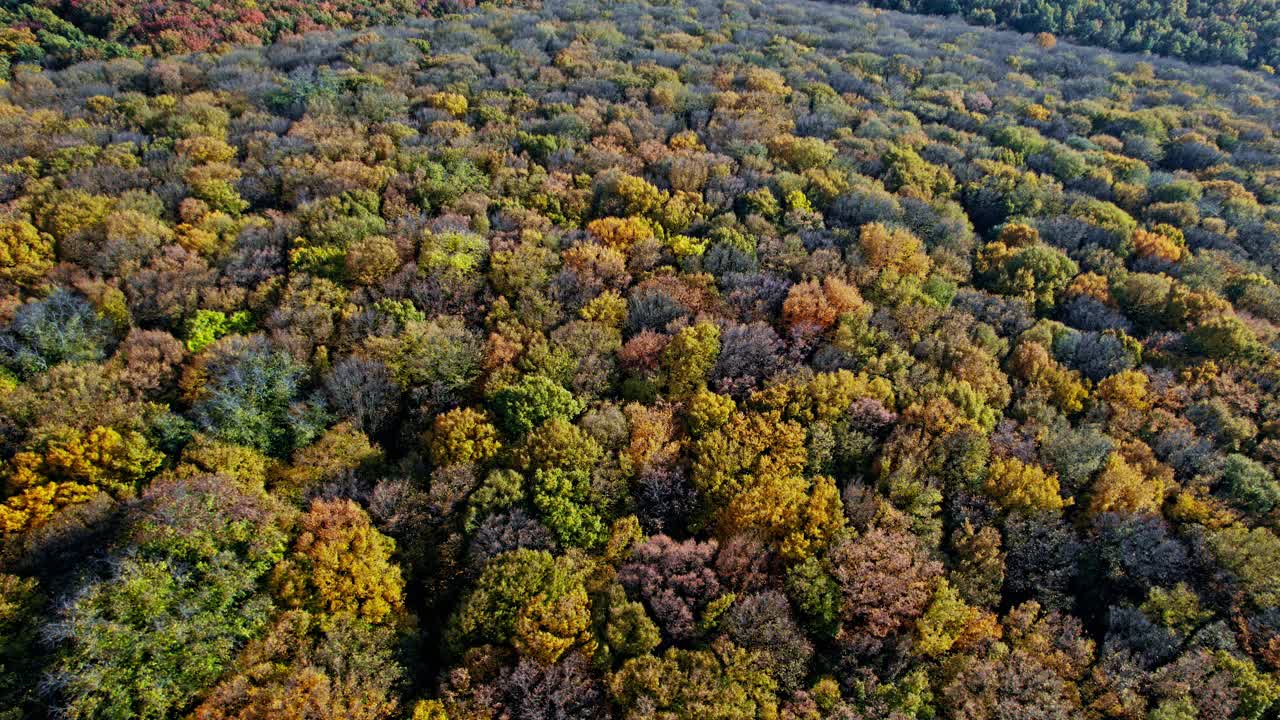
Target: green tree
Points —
{"points": [[160, 627], [532, 400]]}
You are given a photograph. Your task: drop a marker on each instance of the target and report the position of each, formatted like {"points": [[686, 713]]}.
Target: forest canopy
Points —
{"points": [[1207, 31], [652, 361]]}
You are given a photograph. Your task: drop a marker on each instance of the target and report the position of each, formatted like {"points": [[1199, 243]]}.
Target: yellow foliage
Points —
{"points": [[452, 103], [34, 506], [1038, 112], [894, 249], [1019, 486], [341, 449], [653, 440], [1123, 487], [825, 397], [621, 233], [707, 411], [1151, 244], [546, 628], [70, 468], [429, 710], [1126, 389], [463, 435], [608, 308], [26, 254], [205, 150], [751, 472], [341, 564]]}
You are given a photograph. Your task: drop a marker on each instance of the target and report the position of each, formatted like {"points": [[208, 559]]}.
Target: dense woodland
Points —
{"points": [[1238, 32], [56, 33], [59, 32], [693, 360]]}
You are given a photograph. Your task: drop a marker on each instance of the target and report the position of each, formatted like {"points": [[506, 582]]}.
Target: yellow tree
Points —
{"points": [[1123, 486], [463, 435], [71, 466], [26, 254], [1019, 486], [341, 564], [750, 475]]}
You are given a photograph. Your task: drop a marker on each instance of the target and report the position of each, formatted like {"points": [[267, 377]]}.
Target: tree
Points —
{"points": [[907, 172], [453, 255], [70, 467], [362, 390], [1011, 266], [978, 574], [296, 671], [689, 358], [815, 593], [1065, 388], [1037, 672], [1019, 486], [340, 564], [463, 436], [563, 498], [802, 153], [886, 581], [676, 582], [723, 683], [440, 356], [371, 260], [244, 391], [892, 249], [176, 603], [750, 476], [26, 254], [62, 328], [522, 406], [949, 622], [817, 305], [748, 354], [1248, 555], [1222, 338], [20, 604], [526, 596], [628, 631], [342, 453], [1002, 193], [1250, 483], [764, 623], [205, 326], [1123, 487]]}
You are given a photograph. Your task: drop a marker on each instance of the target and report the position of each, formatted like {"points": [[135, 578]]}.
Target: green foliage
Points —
{"points": [[249, 396], [207, 326], [509, 598], [530, 402], [563, 497], [816, 595], [174, 607], [20, 605], [1197, 32], [722, 683], [1250, 483], [62, 328]]}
